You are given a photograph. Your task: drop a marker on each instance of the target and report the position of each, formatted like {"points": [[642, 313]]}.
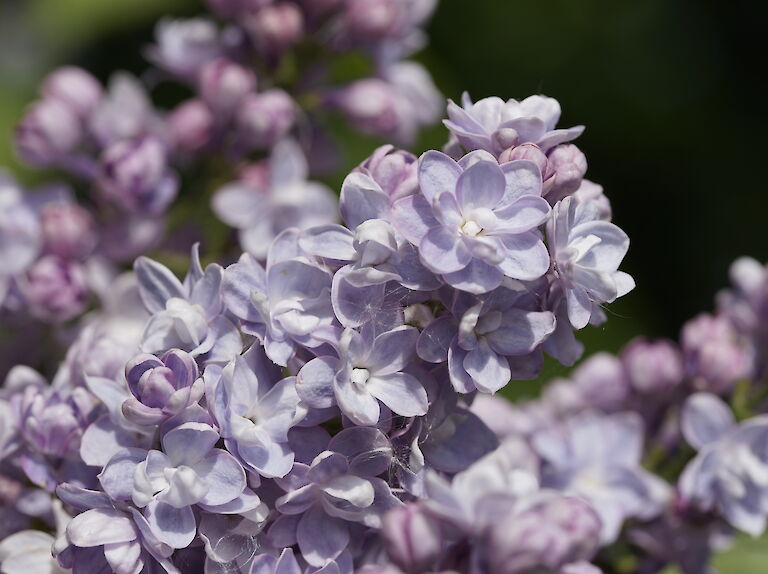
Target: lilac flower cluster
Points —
{"points": [[693, 413], [264, 92], [309, 407]]}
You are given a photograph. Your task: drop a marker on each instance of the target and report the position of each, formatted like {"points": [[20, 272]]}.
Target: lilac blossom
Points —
{"points": [[161, 387], [479, 336], [586, 253], [167, 483], [475, 222], [493, 125], [184, 46], [367, 371], [286, 306], [327, 499], [136, 178], [188, 316], [255, 410], [74, 87], [260, 213], [729, 476], [20, 233], [597, 457], [55, 289]]}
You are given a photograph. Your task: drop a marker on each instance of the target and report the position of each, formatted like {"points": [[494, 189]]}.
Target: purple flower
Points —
{"points": [[716, 356], [289, 305], [275, 28], [475, 222], [586, 254], [478, 342], [136, 177], [255, 410], [729, 476], [494, 125], [161, 387], [545, 533], [264, 119], [191, 125], [394, 170], [288, 200], [124, 113], [188, 471], [184, 46], [186, 316], [49, 134], [223, 84], [367, 371], [653, 367], [413, 539], [597, 457], [74, 87], [104, 537], [323, 500], [56, 290], [20, 233], [67, 229]]}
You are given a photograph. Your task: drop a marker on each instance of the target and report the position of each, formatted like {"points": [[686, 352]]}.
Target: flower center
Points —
{"points": [[360, 377], [471, 228]]}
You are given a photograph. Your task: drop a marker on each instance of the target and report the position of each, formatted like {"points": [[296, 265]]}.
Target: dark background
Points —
{"points": [[670, 91]]}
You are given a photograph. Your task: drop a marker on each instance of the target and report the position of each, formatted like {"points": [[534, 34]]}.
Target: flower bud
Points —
{"points": [[276, 27], [602, 382], [263, 119], [395, 171], [135, 176], [56, 289], [68, 230], [223, 84], [506, 139], [531, 152], [190, 125], [371, 19], [371, 106], [161, 387], [49, 132], [653, 367], [74, 87], [715, 357], [590, 191], [569, 165], [412, 538], [546, 536], [184, 46]]}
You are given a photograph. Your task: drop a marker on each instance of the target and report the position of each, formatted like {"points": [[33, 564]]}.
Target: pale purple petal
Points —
{"points": [[175, 527], [442, 251], [705, 418], [488, 370], [314, 382], [480, 186], [401, 392], [100, 526], [412, 216], [321, 537], [392, 351], [224, 476], [329, 241], [438, 173]]}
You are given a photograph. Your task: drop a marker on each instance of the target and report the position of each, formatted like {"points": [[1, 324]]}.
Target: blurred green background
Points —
{"points": [[670, 91]]}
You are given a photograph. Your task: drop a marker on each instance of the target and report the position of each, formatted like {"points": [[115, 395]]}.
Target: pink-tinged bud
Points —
{"points": [[190, 125], [396, 171], [590, 191], [223, 84], [413, 539], [263, 119], [48, 133], [275, 28], [55, 289], [602, 382], [371, 106], [74, 87], [68, 230], [653, 367], [715, 355], [368, 19], [136, 178], [530, 152], [569, 165]]}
